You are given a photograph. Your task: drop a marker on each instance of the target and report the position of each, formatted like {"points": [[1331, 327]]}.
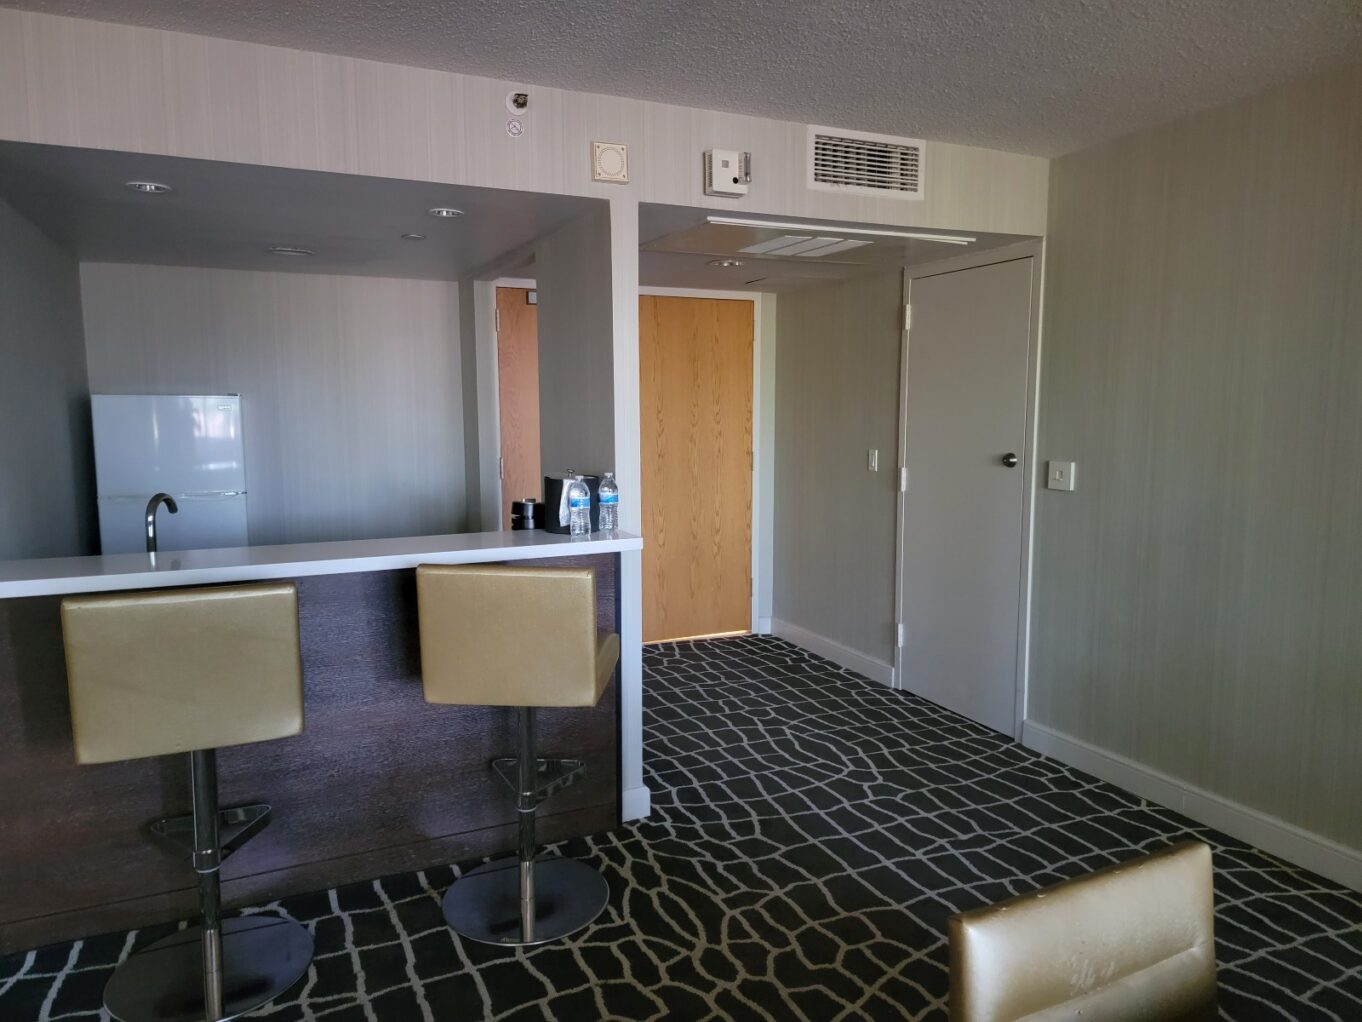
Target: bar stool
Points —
{"points": [[190, 671], [522, 637]]}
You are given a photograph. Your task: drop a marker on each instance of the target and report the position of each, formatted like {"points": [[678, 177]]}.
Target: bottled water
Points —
{"points": [[579, 507], [609, 495]]}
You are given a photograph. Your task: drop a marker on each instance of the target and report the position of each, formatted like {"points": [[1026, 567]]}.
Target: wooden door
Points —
{"points": [[965, 448], [695, 409], [518, 390]]}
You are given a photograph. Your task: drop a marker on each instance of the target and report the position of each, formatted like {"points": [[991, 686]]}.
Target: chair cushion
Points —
{"points": [[160, 672], [497, 635]]}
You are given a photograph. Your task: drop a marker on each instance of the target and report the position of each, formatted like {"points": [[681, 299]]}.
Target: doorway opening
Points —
{"points": [[866, 569]]}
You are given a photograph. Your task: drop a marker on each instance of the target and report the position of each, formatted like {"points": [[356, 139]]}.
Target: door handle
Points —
{"points": [[1010, 460]]}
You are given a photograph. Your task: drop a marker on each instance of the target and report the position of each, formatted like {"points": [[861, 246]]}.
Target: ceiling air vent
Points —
{"points": [[854, 161]]}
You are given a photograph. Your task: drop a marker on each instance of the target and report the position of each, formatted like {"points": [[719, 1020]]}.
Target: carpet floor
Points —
{"points": [[811, 834]]}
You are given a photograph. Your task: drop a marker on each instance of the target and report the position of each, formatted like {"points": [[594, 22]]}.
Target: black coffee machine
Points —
{"points": [[555, 501], [527, 514]]}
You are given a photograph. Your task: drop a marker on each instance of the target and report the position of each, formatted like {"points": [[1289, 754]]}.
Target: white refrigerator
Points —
{"points": [[188, 446]]}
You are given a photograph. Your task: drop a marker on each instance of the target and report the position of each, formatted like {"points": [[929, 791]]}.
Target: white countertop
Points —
{"points": [[58, 575]]}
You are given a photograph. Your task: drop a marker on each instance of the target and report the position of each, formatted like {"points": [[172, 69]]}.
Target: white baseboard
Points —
{"points": [[843, 656], [635, 803], [1277, 837]]}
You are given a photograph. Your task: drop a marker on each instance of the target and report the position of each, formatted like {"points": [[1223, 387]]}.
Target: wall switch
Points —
{"points": [[1059, 475], [872, 460]]}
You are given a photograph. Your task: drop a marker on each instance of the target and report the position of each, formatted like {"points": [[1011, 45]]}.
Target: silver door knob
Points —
{"points": [[1010, 460]]}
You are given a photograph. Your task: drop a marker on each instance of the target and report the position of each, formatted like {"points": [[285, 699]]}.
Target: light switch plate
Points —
{"points": [[1059, 475]]}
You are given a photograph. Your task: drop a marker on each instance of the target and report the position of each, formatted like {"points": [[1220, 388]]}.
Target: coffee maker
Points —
{"points": [[555, 501]]}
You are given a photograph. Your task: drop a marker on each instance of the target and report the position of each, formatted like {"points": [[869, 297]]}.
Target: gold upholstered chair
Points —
{"points": [[1130, 943], [521, 637], [189, 671]]}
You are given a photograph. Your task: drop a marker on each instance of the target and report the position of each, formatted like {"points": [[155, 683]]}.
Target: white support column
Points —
{"points": [[628, 471]]}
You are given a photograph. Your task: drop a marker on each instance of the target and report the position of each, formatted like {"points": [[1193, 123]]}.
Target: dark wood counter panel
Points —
{"points": [[378, 782]]}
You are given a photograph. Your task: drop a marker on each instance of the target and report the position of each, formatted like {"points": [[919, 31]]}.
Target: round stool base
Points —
{"points": [[484, 904], [262, 956]]}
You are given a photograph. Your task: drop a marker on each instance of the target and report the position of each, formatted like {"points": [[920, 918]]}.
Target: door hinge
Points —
{"points": [[496, 321], [898, 636], [903, 479], [501, 468], [907, 316]]}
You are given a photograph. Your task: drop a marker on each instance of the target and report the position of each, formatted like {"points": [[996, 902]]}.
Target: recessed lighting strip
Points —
{"points": [[788, 225]]}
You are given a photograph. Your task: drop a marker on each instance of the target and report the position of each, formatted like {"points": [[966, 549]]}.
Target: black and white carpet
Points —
{"points": [[810, 836]]}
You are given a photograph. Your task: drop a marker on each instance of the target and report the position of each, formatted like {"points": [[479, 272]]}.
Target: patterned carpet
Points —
{"points": [[811, 834]]}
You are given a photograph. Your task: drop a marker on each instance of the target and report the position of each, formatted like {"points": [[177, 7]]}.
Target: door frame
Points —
{"points": [[1034, 249], [487, 340], [763, 435]]}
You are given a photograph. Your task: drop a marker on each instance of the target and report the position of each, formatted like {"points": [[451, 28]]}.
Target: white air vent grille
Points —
{"points": [[853, 161]]}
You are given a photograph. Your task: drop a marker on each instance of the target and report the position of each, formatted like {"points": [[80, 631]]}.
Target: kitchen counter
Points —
{"points": [[378, 782], [55, 576]]}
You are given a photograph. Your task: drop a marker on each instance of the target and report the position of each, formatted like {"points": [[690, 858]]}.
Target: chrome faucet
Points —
{"points": [[153, 506]]}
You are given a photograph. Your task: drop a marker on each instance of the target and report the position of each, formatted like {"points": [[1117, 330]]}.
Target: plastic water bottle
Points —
{"points": [[579, 507], [609, 496]]}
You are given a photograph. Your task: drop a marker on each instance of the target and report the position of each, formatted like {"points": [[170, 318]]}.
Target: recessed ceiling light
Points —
{"points": [[413, 237], [291, 250], [445, 212], [725, 263], [149, 187]]}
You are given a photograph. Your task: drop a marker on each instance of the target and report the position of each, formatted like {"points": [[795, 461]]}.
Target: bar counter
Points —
{"points": [[378, 782]]}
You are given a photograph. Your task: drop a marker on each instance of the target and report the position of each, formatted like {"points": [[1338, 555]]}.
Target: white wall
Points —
{"points": [[1198, 600], [837, 396], [351, 387], [47, 499], [73, 82]]}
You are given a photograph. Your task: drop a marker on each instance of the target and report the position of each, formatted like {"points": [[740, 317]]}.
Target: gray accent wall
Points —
{"points": [[837, 396], [47, 506], [351, 387], [1198, 600], [572, 272]]}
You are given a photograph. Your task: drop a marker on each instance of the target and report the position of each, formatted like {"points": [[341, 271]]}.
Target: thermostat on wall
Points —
{"points": [[610, 162], [727, 172]]}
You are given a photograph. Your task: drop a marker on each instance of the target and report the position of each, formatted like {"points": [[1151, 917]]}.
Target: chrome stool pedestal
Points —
{"points": [[520, 637], [262, 956], [525, 901], [218, 969]]}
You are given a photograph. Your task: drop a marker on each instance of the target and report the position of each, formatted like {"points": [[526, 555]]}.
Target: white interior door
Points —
{"points": [[964, 445]]}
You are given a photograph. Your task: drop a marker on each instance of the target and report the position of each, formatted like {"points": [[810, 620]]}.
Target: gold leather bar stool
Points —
{"points": [[190, 671], [1133, 942], [522, 637]]}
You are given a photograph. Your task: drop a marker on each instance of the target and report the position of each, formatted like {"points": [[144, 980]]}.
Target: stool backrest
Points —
{"points": [[1130, 942], [155, 673], [495, 635]]}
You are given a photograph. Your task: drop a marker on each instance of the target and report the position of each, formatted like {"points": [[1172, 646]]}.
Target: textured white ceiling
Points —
{"points": [[1036, 76]]}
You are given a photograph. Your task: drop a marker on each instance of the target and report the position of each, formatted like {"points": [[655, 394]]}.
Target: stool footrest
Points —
{"points": [[236, 826], [551, 774]]}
